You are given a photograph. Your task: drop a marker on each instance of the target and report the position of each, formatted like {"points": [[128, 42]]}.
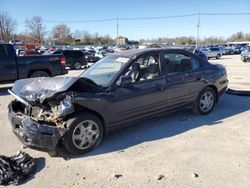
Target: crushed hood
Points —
{"points": [[38, 89]]}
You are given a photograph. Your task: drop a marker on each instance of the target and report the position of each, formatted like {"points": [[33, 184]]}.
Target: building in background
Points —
{"points": [[121, 40]]}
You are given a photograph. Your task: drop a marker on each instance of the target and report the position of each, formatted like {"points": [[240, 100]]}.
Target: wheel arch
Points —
{"points": [[81, 109], [36, 70], [215, 90]]}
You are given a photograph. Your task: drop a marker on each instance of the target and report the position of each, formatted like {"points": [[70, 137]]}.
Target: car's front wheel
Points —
{"points": [[205, 102], [85, 133]]}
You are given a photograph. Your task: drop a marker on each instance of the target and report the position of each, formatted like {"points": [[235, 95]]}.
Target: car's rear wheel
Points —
{"points": [[77, 65], [205, 102], [85, 133], [39, 74]]}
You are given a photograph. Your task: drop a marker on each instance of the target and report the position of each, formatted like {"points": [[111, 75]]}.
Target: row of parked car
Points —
{"points": [[218, 51], [245, 55]]}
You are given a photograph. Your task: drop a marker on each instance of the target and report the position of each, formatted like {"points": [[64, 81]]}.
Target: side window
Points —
{"points": [[195, 63], [144, 68], [57, 52], [214, 49], [176, 63], [2, 52], [67, 53], [80, 54]]}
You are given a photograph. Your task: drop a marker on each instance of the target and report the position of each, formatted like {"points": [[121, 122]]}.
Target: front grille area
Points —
{"points": [[19, 107]]}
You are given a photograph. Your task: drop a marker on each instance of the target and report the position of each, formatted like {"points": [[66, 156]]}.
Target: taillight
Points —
{"points": [[62, 61]]}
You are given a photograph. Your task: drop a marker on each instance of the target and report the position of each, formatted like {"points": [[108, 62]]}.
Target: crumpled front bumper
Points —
{"points": [[32, 133]]}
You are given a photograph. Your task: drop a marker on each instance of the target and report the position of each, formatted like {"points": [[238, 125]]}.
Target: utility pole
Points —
{"points": [[1, 27], [198, 30], [117, 27]]}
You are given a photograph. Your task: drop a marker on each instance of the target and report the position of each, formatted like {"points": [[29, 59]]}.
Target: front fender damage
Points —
{"points": [[41, 125]]}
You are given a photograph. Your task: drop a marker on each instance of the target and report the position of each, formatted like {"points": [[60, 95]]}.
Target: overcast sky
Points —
{"points": [[65, 11]]}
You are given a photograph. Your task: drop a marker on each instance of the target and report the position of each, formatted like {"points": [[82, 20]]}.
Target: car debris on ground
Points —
{"points": [[194, 175], [16, 169], [116, 176], [160, 177]]}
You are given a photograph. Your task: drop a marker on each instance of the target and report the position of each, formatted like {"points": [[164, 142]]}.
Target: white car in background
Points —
{"points": [[101, 54], [213, 52], [245, 55]]}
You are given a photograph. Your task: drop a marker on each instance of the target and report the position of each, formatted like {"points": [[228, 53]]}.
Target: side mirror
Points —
{"points": [[124, 81]]}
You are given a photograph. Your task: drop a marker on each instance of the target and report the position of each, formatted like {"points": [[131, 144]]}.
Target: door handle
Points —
{"points": [[160, 87], [200, 78]]}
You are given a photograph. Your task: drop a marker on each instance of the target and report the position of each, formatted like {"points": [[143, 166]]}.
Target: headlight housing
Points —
{"points": [[64, 108]]}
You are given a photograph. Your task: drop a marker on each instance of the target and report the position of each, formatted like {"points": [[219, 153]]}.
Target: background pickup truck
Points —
{"points": [[13, 67]]}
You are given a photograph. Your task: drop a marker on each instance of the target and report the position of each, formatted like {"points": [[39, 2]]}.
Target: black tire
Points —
{"points": [[73, 125], [218, 56], [39, 74], [198, 109], [77, 65]]}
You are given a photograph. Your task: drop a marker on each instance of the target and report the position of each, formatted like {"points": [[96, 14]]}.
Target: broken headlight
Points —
{"points": [[54, 110], [64, 108]]}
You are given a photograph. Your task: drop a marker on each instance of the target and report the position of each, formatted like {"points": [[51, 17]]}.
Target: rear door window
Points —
{"points": [[177, 63]]}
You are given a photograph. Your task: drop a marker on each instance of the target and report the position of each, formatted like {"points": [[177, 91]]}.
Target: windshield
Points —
{"points": [[105, 70]]}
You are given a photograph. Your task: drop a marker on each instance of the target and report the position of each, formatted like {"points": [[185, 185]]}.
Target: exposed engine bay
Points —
{"points": [[51, 112]]}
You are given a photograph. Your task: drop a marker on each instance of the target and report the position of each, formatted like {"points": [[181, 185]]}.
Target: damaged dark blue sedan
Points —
{"points": [[118, 90]]}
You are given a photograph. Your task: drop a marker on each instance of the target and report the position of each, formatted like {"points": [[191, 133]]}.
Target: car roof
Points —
{"points": [[138, 52]]}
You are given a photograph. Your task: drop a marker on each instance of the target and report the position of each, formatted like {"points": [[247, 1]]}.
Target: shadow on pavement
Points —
{"points": [[4, 90], [170, 125], [40, 164]]}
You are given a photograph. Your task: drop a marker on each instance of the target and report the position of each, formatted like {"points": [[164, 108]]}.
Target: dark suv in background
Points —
{"points": [[75, 59]]}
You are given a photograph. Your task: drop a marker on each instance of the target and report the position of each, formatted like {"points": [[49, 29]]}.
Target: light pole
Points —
{"points": [[1, 27], [198, 30], [117, 27]]}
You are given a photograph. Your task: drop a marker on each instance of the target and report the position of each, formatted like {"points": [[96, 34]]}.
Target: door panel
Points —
{"points": [[184, 77], [195, 83], [8, 69], [177, 93], [139, 100]]}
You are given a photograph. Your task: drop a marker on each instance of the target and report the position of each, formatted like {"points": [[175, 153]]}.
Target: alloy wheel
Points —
{"points": [[207, 101], [85, 134]]}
